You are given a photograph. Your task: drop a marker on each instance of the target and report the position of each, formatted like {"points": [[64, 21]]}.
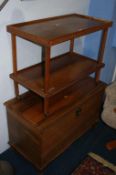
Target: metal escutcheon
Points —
{"points": [[78, 111]]}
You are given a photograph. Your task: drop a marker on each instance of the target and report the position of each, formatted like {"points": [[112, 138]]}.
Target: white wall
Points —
{"points": [[18, 11]]}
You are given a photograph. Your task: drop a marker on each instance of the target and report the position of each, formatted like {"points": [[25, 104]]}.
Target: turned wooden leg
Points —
{"points": [[111, 145]]}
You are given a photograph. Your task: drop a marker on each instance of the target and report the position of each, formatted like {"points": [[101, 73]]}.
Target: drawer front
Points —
{"points": [[58, 136]]}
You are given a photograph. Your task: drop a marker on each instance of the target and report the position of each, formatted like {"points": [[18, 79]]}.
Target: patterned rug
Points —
{"points": [[95, 165]]}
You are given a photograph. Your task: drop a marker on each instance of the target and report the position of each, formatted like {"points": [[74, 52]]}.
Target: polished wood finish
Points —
{"points": [[71, 45], [41, 139], [46, 79], [14, 57], [62, 101], [65, 28], [101, 51], [74, 65]]}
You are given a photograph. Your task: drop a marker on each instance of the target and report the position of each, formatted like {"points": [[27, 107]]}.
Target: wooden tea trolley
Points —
{"points": [[63, 101]]}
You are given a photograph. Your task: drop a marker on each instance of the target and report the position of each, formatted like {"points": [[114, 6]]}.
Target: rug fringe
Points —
{"points": [[103, 161]]}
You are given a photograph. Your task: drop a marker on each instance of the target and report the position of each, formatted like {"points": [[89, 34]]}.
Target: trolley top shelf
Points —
{"points": [[54, 30]]}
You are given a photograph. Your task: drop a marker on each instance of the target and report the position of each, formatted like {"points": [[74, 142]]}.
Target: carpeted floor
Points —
{"points": [[93, 141]]}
